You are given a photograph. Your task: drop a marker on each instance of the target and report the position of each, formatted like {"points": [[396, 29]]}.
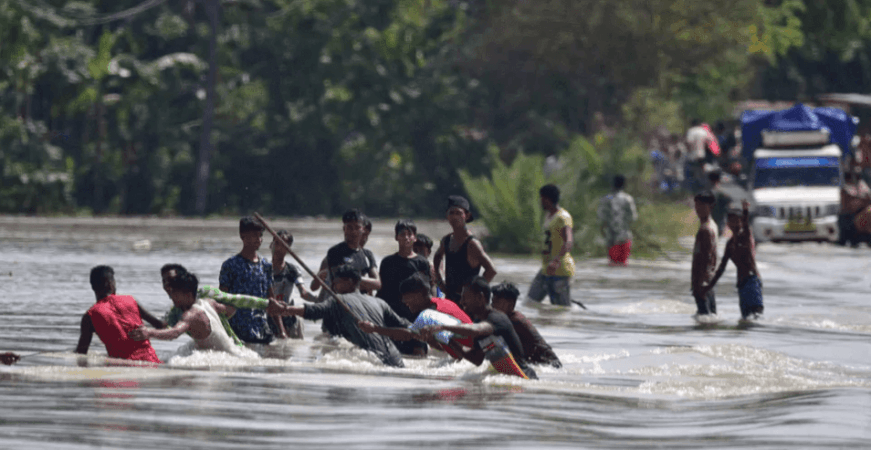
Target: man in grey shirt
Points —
{"points": [[339, 322]]}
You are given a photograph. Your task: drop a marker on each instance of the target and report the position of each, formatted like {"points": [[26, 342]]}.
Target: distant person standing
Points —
{"points": [[721, 204], [704, 255], [397, 267], [463, 255], [616, 213], [557, 264], [697, 140], [286, 276], [250, 274]]}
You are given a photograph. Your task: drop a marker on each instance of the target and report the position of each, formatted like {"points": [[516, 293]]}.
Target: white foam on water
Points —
{"points": [[656, 306], [853, 323], [733, 370]]}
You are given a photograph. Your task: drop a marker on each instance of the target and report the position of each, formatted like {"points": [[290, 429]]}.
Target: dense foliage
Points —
{"points": [[324, 104]]}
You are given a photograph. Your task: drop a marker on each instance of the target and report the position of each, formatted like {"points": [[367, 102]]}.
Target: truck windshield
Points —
{"points": [[789, 172]]}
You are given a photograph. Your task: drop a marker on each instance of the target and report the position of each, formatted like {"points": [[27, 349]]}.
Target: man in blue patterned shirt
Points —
{"points": [[248, 273]]}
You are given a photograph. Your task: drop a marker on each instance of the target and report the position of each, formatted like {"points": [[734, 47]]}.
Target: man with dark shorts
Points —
{"points": [[350, 252], [464, 255], [704, 255], [740, 250]]}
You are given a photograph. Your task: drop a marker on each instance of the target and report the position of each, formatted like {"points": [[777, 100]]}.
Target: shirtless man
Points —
{"points": [[464, 255], [704, 255], [740, 249], [199, 318]]}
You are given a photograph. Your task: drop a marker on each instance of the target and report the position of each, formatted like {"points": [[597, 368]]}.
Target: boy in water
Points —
{"points": [[416, 296], [285, 276], [704, 255], [739, 250], [112, 317], [534, 346], [199, 318], [248, 273], [488, 322], [464, 255], [350, 251], [423, 247]]}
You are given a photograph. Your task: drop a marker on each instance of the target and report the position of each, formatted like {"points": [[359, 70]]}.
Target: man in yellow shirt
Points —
{"points": [[557, 265]]}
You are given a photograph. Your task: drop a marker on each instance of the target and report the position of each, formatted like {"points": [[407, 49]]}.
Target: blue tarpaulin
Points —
{"points": [[800, 117]]}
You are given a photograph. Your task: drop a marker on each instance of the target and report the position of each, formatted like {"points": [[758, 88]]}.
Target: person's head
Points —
{"points": [[695, 122], [619, 182], [704, 202], [103, 281], [276, 247], [720, 127], [423, 245], [505, 296], [406, 233], [714, 177], [415, 293], [459, 212], [549, 195], [476, 296], [183, 289], [733, 220], [251, 232], [168, 272], [353, 225], [346, 279], [367, 230]]}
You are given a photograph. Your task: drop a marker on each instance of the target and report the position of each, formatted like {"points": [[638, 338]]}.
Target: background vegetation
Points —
{"points": [[304, 107]]}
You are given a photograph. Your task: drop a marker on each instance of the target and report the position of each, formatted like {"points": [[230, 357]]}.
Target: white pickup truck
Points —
{"points": [[795, 182]]}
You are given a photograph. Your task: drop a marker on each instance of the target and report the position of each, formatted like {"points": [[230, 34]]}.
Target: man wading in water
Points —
{"points": [[463, 254]]}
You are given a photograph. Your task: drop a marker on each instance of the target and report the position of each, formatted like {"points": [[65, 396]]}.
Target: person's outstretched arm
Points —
{"points": [[395, 333], [87, 333], [148, 317], [143, 333], [726, 257]]}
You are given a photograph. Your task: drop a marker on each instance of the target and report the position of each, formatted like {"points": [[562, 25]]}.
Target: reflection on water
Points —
{"points": [[638, 371]]}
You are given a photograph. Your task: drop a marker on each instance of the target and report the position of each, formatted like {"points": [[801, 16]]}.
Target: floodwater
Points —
{"points": [[639, 371]]}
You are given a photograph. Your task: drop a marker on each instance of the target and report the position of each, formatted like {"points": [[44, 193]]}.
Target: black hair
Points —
{"points": [[415, 283], [424, 240], [735, 212], [367, 224], [354, 215], [479, 285], [178, 268], [405, 224], [100, 276], [185, 282], [286, 235], [706, 197], [506, 290], [715, 176], [346, 271], [250, 223], [619, 181], [695, 122], [550, 192]]}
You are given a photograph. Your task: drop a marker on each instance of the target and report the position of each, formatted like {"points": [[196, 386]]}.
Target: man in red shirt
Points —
{"points": [[415, 292], [112, 317]]}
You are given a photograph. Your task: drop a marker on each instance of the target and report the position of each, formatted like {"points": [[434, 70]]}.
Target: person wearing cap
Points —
{"points": [[740, 250], [557, 264], [462, 253], [704, 255]]}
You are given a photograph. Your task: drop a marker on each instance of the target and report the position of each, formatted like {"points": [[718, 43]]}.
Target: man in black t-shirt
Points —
{"points": [[395, 269], [399, 266], [488, 322], [351, 253]]}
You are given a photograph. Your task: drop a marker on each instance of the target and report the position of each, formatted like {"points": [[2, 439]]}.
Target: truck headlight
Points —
{"points": [[833, 210], [766, 211]]}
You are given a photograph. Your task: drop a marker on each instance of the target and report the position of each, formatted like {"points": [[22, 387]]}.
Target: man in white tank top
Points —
{"points": [[199, 318]]}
